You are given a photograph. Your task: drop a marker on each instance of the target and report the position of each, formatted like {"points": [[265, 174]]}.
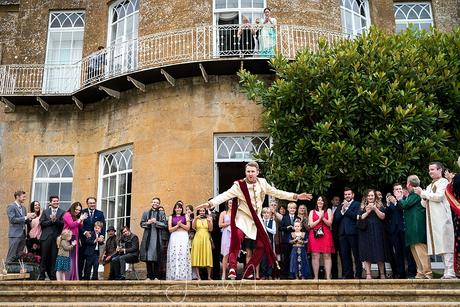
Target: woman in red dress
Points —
{"points": [[320, 240]]}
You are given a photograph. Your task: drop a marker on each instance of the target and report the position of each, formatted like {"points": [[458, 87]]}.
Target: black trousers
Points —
{"points": [[286, 259], [349, 244], [397, 248], [153, 269], [49, 255], [118, 265], [91, 263]]}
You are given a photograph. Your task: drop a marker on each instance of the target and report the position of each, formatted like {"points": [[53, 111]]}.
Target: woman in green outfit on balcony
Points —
{"points": [[267, 37]]}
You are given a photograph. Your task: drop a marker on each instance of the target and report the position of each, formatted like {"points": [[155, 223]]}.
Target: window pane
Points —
{"points": [[112, 186], [232, 3], [40, 193], [121, 206], [111, 206], [220, 4], [130, 176], [246, 3], [53, 189], [122, 184], [105, 187], [66, 192], [258, 3]]}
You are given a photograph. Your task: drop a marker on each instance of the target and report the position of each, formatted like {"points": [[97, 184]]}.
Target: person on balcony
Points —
{"points": [[96, 65], [267, 36], [246, 40]]}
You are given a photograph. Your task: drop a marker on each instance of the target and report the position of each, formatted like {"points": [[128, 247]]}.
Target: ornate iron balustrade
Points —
{"points": [[198, 44]]}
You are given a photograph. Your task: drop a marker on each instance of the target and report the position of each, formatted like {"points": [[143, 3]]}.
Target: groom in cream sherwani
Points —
{"points": [[249, 194], [439, 226]]}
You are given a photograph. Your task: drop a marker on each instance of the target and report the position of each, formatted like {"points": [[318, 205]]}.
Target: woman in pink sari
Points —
{"points": [[73, 221]]}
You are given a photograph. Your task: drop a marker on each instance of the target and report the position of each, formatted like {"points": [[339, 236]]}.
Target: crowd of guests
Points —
{"points": [[405, 228]]}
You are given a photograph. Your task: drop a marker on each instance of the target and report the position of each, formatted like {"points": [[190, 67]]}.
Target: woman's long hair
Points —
{"points": [[178, 204], [456, 185], [32, 207], [72, 210], [377, 201]]}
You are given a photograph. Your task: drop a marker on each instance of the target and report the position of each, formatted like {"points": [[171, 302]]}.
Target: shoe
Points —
{"points": [[250, 276], [448, 277], [231, 274]]}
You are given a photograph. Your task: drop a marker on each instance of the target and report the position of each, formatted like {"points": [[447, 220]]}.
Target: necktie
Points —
{"points": [[20, 210], [292, 219]]}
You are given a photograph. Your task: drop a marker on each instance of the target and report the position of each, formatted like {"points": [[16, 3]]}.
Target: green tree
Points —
{"points": [[368, 111]]}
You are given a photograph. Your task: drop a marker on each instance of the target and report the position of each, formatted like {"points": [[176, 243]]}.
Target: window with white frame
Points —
{"points": [[64, 49], [228, 14], [53, 176], [418, 14], [123, 33], [115, 168], [240, 148], [231, 148], [232, 11], [355, 16]]}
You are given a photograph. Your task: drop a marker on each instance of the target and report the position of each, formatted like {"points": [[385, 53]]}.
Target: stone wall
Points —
{"points": [[446, 14], [170, 128]]}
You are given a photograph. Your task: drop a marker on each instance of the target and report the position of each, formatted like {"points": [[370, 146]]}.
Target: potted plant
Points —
{"points": [[25, 263]]}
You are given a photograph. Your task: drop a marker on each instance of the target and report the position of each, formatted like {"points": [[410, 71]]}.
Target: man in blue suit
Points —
{"points": [[17, 217], [345, 215], [394, 219], [94, 215]]}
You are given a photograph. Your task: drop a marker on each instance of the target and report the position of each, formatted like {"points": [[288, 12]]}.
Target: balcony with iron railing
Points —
{"points": [[204, 50]]}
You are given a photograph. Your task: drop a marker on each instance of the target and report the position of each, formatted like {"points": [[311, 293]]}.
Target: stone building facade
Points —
{"points": [[180, 127]]}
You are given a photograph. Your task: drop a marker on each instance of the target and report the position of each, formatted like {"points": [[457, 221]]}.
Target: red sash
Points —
{"points": [[454, 203], [261, 234]]}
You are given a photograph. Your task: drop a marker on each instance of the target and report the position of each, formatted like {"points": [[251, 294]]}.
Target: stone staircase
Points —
{"points": [[346, 293]]}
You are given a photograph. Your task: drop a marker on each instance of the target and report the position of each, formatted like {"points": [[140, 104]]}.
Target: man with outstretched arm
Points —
{"points": [[248, 195]]}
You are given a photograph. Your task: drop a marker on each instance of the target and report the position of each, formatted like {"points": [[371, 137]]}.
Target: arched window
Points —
{"points": [[115, 180], [417, 14], [53, 176], [355, 16], [64, 47], [123, 33]]}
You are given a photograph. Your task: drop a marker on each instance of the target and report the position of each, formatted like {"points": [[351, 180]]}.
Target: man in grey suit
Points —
{"points": [[17, 217], [51, 223]]}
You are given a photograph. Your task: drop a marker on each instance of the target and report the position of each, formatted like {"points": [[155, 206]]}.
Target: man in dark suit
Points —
{"points": [[127, 252], [335, 202], [51, 223], [17, 218], [346, 215], [394, 227], [286, 228], [94, 215]]}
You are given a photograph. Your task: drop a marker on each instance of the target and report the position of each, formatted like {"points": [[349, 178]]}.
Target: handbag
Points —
{"points": [[318, 232]]}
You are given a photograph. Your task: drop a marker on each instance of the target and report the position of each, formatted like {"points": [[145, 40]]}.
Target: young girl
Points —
{"points": [[224, 224], [63, 259], [299, 267]]}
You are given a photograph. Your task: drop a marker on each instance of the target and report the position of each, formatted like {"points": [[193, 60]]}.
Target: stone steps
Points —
{"points": [[231, 293], [264, 304]]}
